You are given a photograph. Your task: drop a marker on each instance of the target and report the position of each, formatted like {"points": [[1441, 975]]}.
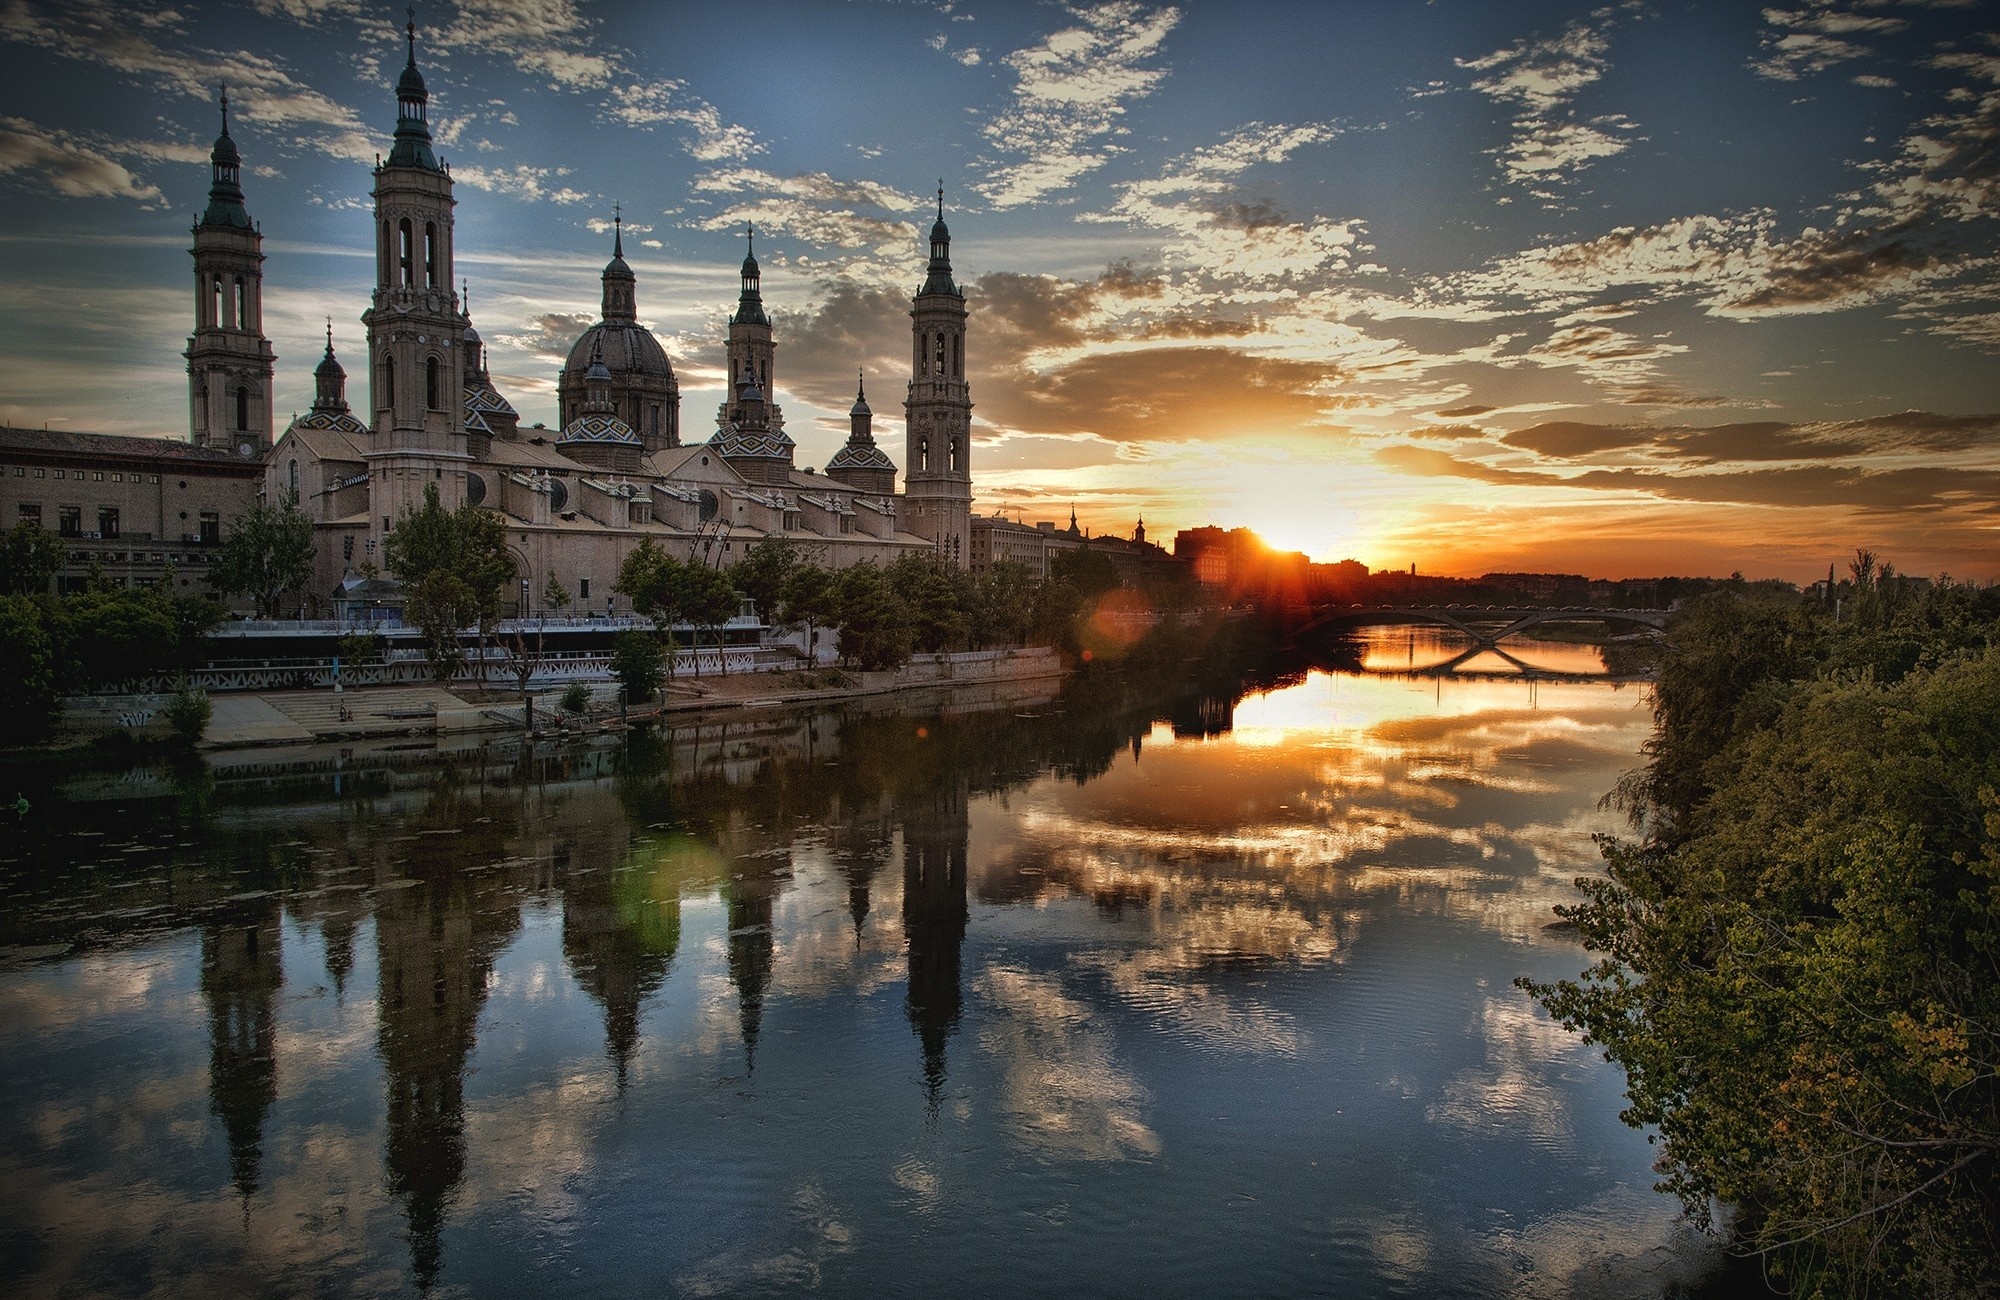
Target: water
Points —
{"points": [[1027, 997]]}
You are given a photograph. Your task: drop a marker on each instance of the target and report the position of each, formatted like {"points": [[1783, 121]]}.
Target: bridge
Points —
{"points": [[1485, 625]]}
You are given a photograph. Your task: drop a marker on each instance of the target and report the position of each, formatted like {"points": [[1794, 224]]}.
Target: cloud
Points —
{"points": [[1070, 92], [1540, 79], [551, 334], [55, 160], [643, 104], [523, 182], [1197, 199], [1814, 38]]}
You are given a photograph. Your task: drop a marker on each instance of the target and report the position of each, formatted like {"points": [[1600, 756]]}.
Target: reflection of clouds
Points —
{"points": [[531, 1149], [1627, 1242], [1060, 1083], [1154, 981], [1512, 1091], [818, 1234]]}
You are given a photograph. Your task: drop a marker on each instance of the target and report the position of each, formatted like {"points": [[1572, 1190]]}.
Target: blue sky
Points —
{"points": [[1651, 287]]}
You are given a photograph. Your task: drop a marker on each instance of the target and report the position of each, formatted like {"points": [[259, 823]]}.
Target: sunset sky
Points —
{"points": [[1640, 289]]}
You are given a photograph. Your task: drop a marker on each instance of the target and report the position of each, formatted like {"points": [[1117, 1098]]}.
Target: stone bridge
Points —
{"points": [[1486, 625]]}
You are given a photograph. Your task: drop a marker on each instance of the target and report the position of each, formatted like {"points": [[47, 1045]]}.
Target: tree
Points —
{"points": [[267, 554], [28, 677], [653, 581], [1800, 961], [1091, 572], [875, 627], [453, 565], [807, 602], [708, 600], [29, 558], [762, 572], [555, 596], [635, 662], [937, 595], [1004, 605]]}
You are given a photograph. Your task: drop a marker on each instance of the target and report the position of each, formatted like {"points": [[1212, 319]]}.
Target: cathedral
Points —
{"points": [[576, 500]]}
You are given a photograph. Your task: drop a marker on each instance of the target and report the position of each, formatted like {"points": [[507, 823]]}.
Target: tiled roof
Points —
{"points": [[64, 442]]}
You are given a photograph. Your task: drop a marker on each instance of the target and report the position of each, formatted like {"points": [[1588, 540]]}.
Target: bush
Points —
{"points": [[189, 712], [575, 698]]}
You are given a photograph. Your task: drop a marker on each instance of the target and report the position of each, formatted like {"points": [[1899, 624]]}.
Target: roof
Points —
{"points": [[65, 442]]}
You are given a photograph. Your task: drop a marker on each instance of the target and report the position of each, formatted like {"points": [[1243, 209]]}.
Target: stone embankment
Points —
{"points": [[252, 718]]}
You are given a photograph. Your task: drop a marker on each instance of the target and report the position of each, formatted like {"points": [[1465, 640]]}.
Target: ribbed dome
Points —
{"points": [[628, 350]]}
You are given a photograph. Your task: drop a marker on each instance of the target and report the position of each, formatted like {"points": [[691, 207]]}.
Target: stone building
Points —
{"points": [[577, 500]]}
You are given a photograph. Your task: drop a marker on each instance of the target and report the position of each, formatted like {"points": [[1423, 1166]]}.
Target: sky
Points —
{"points": [[1650, 288]]}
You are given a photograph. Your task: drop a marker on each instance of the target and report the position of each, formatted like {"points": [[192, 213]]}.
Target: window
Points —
{"points": [[41, 472], [242, 305], [19, 471], [433, 267], [405, 253], [924, 454], [957, 357], [210, 528], [953, 466], [107, 522], [389, 381], [31, 513], [61, 474], [97, 476], [940, 354], [242, 408], [583, 589], [120, 478], [292, 473], [215, 304], [69, 521], [431, 383], [156, 478]]}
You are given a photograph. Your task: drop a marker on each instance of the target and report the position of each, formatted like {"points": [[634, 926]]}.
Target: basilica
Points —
{"points": [[576, 500]]}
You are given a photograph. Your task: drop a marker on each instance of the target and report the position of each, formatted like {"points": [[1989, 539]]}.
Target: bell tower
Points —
{"points": [[230, 362], [752, 348], [937, 469], [416, 331]]}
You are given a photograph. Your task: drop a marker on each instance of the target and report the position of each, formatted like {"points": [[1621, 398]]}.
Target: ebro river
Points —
{"points": [[1026, 994]]}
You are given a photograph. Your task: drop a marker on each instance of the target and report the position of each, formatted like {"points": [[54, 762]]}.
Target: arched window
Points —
{"points": [[389, 382], [940, 354], [242, 408], [432, 270], [215, 304], [957, 357], [431, 383], [953, 452], [923, 454], [383, 267], [242, 305], [405, 254], [292, 472]]}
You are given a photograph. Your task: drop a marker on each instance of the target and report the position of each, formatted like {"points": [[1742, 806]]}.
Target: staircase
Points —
{"points": [[383, 710]]}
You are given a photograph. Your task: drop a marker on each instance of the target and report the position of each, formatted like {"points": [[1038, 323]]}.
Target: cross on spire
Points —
{"points": [[940, 198], [224, 89], [618, 230], [750, 237], [412, 31], [329, 334]]}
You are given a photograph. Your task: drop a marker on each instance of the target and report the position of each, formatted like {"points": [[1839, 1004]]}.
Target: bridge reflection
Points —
{"points": [[1485, 625]]}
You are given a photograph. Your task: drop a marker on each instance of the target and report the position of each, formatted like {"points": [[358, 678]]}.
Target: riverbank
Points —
{"points": [[252, 719]]}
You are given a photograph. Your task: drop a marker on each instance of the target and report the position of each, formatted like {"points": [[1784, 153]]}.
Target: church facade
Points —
{"points": [[576, 500]]}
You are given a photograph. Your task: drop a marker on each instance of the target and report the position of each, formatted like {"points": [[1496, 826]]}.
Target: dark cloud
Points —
{"points": [[1975, 491], [1570, 440], [1165, 395], [1764, 440], [1840, 266], [1196, 327], [551, 334], [1452, 412], [852, 328]]}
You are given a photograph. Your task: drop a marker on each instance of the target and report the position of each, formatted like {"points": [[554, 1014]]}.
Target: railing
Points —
{"points": [[411, 668]]}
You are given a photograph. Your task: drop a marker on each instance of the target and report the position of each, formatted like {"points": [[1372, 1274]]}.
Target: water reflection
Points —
{"points": [[1222, 979]]}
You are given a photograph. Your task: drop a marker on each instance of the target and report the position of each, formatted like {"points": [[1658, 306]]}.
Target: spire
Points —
{"points": [[413, 131], [938, 279], [750, 307], [225, 191], [621, 296], [860, 395], [329, 381], [597, 382]]}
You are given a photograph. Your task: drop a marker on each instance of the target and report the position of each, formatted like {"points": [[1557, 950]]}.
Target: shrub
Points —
{"points": [[575, 698], [189, 712]]}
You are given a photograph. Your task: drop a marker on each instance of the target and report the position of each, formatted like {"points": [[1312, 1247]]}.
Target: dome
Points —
{"points": [[338, 421], [411, 84], [225, 154], [861, 455], [598, 429], [629, 351]]}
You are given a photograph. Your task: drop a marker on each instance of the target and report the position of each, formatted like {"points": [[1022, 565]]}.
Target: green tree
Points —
{"points": [[876, 631], [1091, 572], [29, 558], [28, 675], [655, 583], [937, 595], [267, 555], [807, 603], [708, 600], [1800, 961], [635, 662], [762, 572], [555, 596], [453, 565], [1004, 605]]}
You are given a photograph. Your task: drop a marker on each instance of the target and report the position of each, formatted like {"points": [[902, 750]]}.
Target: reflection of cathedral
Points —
{"points": [[935, 834], [241, 973], [577, 499]]}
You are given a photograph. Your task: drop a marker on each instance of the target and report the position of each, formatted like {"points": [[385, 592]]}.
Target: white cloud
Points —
{"points": [[1541, 79], [524, 182], [1069, 94], [41, 157], [1815, 38]]}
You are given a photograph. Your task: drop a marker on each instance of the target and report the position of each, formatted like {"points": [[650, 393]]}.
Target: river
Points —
{"points": [[1005, 996]]}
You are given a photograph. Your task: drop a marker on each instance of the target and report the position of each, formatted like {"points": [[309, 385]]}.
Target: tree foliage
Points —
{"points": [[1800, 959], [267, 555], [453, 565], [29, 559]]}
